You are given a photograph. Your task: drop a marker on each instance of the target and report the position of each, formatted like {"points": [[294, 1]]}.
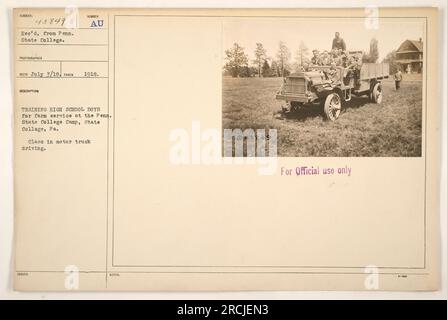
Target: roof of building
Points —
{"points": [[411, 46]]}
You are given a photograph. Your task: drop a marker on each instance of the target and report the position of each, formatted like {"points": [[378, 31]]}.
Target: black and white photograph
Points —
{"points": [[331, 87]]}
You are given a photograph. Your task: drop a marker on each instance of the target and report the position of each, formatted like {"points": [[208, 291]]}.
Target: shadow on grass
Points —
{"points": [[316, 110]]}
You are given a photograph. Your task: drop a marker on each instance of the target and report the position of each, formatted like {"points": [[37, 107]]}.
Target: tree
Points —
{"points": [[373, 54], [301, 57], [374, 50], [247, 72], [391, 60], [283, 57], [266, 70], [260, 56], [302, 53], [253, 71], [244, 72], [275, 69], [237, 60]]}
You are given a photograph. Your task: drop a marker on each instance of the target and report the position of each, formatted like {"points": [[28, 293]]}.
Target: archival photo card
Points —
{"points": [[226, 149]]}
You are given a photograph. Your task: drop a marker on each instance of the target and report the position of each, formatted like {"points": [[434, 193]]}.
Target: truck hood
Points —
{"points": [[315, 77]]}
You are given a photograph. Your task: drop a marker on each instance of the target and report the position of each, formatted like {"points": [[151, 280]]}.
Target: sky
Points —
{"points": [[317, 33]]}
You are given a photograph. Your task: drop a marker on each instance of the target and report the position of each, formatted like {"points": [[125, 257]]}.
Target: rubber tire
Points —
{"points": [[377, 94], [327, 106]]}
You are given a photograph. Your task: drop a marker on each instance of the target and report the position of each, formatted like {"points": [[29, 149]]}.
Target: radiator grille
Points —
{"points": [[295, 86]]}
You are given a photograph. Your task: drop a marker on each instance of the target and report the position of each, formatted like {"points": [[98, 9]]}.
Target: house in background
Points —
{"points": [[409, 56]]}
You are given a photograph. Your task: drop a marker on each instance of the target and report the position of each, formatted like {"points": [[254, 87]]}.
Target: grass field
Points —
{"points": [[364, 129]]}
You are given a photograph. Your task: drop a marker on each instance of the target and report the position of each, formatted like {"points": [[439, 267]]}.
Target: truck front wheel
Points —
{"points": [[332, 106]]}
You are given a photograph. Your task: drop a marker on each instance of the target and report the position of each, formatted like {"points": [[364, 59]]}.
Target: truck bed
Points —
{"points": [[374, 71]]}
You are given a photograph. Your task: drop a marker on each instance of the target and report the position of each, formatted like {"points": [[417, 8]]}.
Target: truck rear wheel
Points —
{"points": [[376, 93], [332, 106]]}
